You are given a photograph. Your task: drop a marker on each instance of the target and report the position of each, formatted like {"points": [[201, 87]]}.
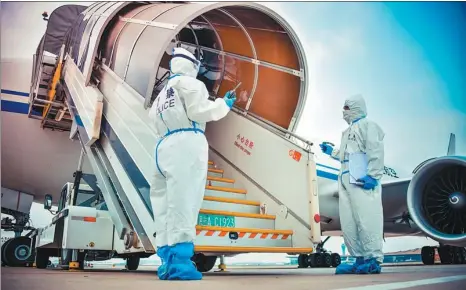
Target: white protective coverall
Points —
{"points": [[361, 212], [178, 185]]}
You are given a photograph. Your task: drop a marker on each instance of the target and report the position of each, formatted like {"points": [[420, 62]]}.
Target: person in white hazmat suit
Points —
{"points": [[180, 114], [360, 197]]}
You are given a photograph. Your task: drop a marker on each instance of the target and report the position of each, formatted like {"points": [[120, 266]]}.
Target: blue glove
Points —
{"points": [[369, 182], [327, 149], [230, 98]]}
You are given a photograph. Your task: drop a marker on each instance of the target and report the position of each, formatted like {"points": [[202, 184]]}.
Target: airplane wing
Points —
{"points": [[395, 188]]}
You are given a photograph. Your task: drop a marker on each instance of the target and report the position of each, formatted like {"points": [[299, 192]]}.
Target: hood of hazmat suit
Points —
{"points": [[184, 63], [357, 109], [361, 212], [180, 113]]}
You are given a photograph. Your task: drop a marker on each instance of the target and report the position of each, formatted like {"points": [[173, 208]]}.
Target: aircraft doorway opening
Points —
{"points": [[228, 49]]}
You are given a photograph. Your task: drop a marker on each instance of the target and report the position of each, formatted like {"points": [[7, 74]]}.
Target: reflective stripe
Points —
{"points": [[196, 130], [173, 76], [344, 172], [358, 120], [344, 161]]}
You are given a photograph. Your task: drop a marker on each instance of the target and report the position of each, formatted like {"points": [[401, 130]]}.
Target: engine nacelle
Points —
{"points": [[437, 199]]}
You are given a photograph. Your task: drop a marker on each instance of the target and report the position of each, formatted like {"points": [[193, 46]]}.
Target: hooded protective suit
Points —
{"points": [[180, 113], [360, 206]]}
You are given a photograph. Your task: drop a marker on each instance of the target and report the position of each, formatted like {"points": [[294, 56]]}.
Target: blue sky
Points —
{"points": [[405, 58]]}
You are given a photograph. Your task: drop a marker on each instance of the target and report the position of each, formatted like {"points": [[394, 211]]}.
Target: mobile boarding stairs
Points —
{"points": [[262, 188]]}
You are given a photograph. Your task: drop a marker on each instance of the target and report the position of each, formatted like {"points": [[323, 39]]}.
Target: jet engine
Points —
{"points": [[437, 199]]}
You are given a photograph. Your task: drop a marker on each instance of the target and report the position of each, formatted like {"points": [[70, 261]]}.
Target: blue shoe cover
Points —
{"points": [[163, 252], [349, 268], [370, 266], [180, 266]]}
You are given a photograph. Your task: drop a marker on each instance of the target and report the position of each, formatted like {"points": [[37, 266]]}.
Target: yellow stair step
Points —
{"points": [[216, 170], [226, 189], [220, 179], [238, 214], [232, 200]]}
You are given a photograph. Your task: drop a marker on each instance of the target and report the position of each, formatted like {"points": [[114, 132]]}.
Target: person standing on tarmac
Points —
{"points": [[360, 197], [180, 114]]}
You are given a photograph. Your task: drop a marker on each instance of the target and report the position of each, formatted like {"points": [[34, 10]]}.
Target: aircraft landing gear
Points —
{"points": [[320, 259], [447, 255], [451, 255], [428, 255]]}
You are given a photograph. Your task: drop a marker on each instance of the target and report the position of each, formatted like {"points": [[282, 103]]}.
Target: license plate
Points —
{"points": [[214, 220]]}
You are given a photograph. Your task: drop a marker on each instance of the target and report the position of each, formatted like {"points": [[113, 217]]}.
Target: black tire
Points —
{"points": [[446, 255], [18, 252], [336, 260], [132, 263], [326, 260], [4, 262], [303, 261], [42, 258], [428, 255], [204, 263], [318, 260], [311, 261]]}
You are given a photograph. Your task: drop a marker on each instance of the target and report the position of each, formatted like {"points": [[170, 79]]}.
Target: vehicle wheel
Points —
{"points": [[311, 261], [42, 259], [132, 263], [18, 253], [303, 261], [318, 260], [445, 254], [326, 260], [428, 255], [204, 263], [4, 263], [336, 260]]}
